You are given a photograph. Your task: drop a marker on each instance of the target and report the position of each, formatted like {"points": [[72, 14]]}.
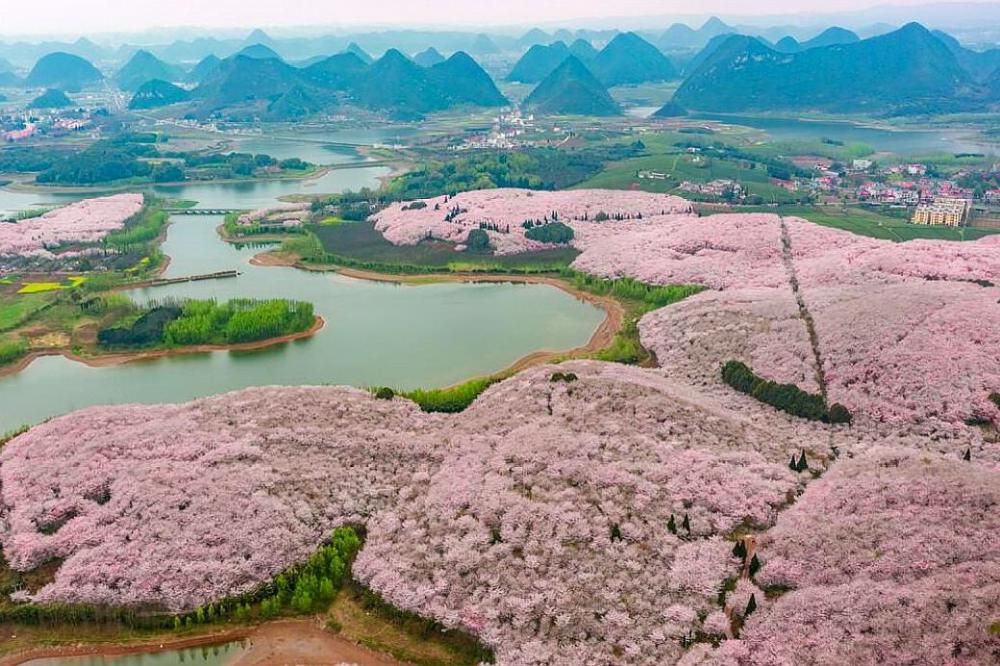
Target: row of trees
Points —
{"points": [[197, 322], [788, 398], [238, 320], [305, 588], [653, 296], [137, 235]]}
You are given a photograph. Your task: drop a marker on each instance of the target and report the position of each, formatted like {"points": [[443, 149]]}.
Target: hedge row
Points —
{"points": [[788, 398]]}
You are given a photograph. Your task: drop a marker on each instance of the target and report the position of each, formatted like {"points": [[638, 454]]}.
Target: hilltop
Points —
{"points": [[629, 58], [203, 69], [260, 52], [538, 62], [356, 49], [429, 57], [901, 69], [143, 66], [583, 50], [572, 90], [64, 71], [680, 36], [51, 99], [156, 93]]}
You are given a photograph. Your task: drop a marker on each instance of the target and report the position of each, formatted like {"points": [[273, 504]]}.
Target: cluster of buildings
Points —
{"points": [[948, 211], [506, 133], [718, 188], [18, 127]]}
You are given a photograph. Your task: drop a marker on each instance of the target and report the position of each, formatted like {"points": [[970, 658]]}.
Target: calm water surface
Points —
{"points": [[376, 334]]}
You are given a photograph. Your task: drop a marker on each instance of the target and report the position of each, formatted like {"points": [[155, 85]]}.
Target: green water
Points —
{"points": [[376, 334], [211, 655]]}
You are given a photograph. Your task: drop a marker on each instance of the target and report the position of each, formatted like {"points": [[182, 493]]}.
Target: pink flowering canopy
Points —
{"points": [[540, 518], [83, 222]]}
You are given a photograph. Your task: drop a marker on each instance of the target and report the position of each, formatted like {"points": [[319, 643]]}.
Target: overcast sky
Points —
{"points": [[103, 16]]}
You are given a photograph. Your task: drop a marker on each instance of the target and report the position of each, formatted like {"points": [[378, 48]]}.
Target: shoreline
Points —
{"points": [[96, 190], [112, 359], [298, 640], [140, 646], [602, 337]]}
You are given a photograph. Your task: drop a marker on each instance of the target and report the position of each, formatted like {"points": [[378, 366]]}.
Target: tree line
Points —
{"points": [[788, 398]]}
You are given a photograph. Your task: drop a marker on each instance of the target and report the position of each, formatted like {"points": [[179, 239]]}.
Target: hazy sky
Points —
{"points": [[102, 16]]}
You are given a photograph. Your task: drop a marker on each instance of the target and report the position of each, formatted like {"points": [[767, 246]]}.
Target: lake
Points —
{"points": [[902, 142], [377, 333]]}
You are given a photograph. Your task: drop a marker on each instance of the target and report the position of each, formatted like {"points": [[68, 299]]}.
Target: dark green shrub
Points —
{"points": [[567, 377], [554, 232], [788, 398], [146, 330], [478, 241], [839, 414], [384, 393]]}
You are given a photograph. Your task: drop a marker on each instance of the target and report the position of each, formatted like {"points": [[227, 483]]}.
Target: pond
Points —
{"points": [[376, 334], [209, 655], [902, 142]]}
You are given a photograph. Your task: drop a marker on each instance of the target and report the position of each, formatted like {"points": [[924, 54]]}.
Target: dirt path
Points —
{"points": [[804, 314], [305, 643]]}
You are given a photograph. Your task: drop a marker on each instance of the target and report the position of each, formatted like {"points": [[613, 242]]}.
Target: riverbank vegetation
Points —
{"points": [[637, 298], [450, 400]]}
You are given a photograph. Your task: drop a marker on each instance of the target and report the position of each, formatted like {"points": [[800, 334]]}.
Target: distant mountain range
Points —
{"points": [[680, 36], [627, 59], [904, 71], [393, 84], [829, 37], [572, 89]]}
